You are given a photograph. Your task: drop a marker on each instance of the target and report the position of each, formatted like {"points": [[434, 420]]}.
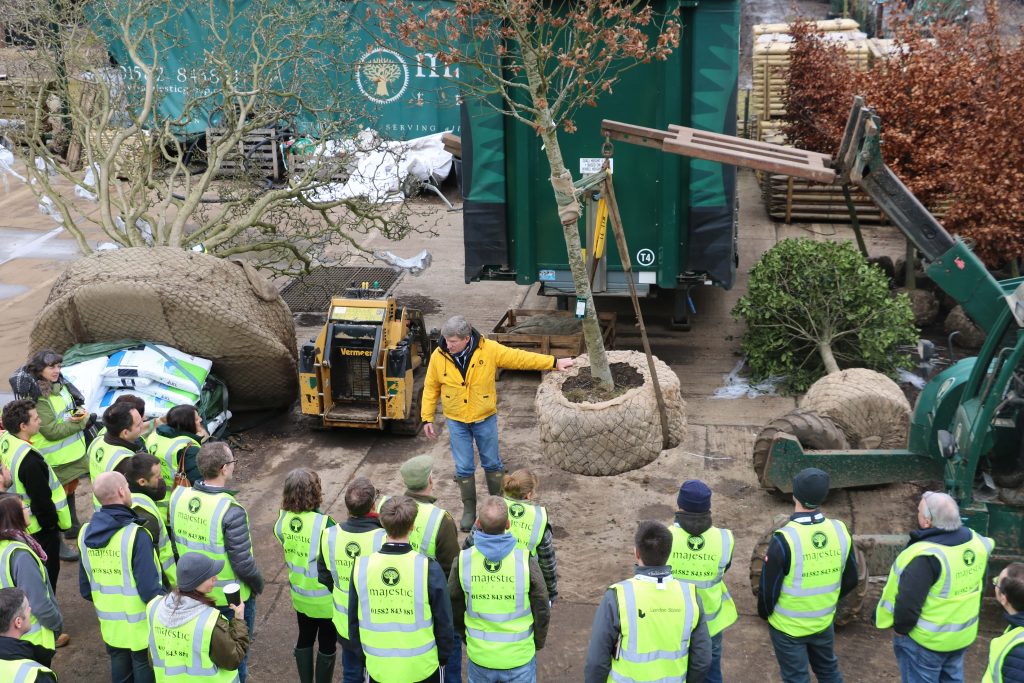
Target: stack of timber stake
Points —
{"points": [[772, 44]]}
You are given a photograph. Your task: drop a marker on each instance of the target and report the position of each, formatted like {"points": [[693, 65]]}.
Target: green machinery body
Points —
{"points": [[968, 419]]}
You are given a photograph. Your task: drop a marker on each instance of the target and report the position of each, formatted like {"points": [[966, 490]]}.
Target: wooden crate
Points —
{"points": [[258, 153], [557, 345]]}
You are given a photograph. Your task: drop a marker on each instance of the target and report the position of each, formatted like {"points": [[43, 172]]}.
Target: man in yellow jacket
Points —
{"points": [[461, 372]]}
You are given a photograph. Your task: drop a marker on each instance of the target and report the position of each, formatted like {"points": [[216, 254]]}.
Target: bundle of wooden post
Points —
{"points": [[772, 44]]}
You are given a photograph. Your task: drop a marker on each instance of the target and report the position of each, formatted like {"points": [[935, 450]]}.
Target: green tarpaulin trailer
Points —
{"points": [[679, 214]]}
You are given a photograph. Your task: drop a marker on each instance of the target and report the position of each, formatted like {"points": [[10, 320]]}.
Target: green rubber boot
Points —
{"points": [[467, 488], [325, 666], [494, 481], [304, 663]]}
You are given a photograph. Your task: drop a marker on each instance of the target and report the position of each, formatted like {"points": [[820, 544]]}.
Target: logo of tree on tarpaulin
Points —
{"points": [[382, 75]]}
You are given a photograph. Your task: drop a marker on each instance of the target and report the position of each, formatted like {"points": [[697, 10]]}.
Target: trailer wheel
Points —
{"points": [[868, 406], [814, 432], [849, 607]]}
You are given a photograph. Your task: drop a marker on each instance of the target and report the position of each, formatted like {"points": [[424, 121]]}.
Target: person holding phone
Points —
{"points": [[61, 437], [188, 615]]}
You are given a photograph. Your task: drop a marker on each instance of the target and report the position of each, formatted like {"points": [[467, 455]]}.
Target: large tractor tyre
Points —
{"points": [[410, 426], [851, 604], [613, 436], [868, 406], [814, 432], [200, 304]]}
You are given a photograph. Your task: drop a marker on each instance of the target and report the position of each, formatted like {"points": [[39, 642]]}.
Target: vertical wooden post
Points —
{"points": [[627, 269]]}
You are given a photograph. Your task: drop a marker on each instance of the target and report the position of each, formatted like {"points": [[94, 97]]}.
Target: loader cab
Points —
{"points": [[352, 347]]}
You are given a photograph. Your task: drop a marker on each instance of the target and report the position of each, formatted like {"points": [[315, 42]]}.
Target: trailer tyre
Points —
{"points": [[614, 436], [814, 432], [868, 406]]}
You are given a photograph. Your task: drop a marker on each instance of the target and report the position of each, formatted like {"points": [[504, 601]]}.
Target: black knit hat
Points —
{"points": [[810, 487]]}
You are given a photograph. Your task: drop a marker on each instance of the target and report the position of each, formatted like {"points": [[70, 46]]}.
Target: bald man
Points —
{"points": [[117, 552], [933, 595]]}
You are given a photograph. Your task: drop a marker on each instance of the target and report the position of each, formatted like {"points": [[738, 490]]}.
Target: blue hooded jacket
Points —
{"points": [[107, 521]]}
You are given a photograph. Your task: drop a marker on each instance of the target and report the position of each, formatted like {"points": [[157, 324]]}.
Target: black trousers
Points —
{"points": [[50, 541], [312, 630]]}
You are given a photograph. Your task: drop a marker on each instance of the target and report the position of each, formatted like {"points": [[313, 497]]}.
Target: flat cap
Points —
{"points": [[193, 568], [810, 487], [416, 472]]}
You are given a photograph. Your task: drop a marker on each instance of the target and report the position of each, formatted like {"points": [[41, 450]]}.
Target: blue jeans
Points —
{"points": [[453, 667], [351, 667], [918, 664], [250, 621], [527, 673], [485, 433], [795, 654], [129, 666], [715, 672]]}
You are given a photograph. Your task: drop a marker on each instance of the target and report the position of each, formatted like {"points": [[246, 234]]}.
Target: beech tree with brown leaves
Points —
{"points": [[539, 62], [948, 98]]}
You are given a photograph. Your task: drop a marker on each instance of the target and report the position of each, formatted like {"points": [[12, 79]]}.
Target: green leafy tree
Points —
{"points": [[813, 307]]}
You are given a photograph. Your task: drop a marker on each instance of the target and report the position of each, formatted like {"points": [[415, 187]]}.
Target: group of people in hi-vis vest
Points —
{"points": [[385, 585], [931, 599]]}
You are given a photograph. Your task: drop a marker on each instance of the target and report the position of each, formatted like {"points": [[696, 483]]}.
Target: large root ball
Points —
{"points": [[197, 303], [868, 406], [614, 436], [923, 303], [971, 336]]}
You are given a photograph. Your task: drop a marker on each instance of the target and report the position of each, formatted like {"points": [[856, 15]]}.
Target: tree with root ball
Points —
{"points": [[814, 307]]}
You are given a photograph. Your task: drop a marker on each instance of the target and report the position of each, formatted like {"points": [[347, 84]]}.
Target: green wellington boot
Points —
{"points": [[304, 663], [467, 488], [325, 666], [494, 481]]}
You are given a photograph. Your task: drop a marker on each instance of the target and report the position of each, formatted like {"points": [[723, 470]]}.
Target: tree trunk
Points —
{"points": [[568, 210], [825, 349]]}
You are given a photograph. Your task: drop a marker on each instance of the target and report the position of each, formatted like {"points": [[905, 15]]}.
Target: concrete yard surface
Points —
{"points": [[593, 518]]}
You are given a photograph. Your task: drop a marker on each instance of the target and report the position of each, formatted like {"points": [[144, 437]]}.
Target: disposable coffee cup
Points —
{"points": [[233, 592]]}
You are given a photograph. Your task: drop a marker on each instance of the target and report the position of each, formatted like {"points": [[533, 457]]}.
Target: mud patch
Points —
{"points": [[582, 388], [424, 304], [656, 511]]}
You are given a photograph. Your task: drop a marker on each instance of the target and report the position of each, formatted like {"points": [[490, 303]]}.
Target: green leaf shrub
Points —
{"points": [[806, 294]]}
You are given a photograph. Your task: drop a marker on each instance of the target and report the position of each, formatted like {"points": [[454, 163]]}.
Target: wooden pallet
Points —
{"points": [[135, 155], [329, 169], [557, 345], [258, 153], [771, 73], [794, 200], [18, 99]]}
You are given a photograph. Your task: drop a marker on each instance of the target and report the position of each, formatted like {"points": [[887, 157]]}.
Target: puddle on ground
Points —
{"points": [[52, 245], [11, 291]]}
